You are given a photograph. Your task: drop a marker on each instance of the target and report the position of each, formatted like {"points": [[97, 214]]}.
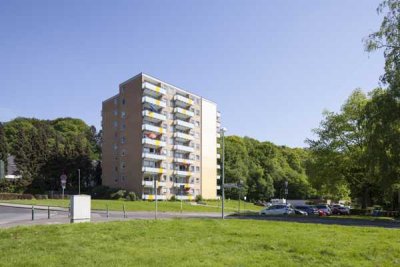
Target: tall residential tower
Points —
{"points": [[154, 131]]}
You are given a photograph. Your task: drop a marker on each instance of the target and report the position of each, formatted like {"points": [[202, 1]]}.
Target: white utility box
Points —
{"points": [[80, 208]]}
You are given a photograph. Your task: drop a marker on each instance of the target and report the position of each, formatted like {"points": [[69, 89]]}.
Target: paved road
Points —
{"points": [[13, 215]]}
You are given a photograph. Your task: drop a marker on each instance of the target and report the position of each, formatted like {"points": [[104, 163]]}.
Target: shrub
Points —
{"points": [[173, 198], [41, 196], [199, 198], [101, 192], [131, 196], [119, 194], [11, 196]]}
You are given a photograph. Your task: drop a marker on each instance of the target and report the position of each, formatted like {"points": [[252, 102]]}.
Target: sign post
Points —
{"points": [[63, 179]]}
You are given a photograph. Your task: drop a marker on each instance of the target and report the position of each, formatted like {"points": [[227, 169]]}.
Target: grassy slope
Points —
{"points": [[199, 242], [213, 206]]}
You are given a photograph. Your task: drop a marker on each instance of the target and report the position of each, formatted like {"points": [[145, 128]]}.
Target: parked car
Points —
{"points": [[311, 210], [340, 210], [281, 209], [300, 212], [324, 208]]}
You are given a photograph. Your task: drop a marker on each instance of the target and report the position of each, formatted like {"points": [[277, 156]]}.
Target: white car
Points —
{"points": [[280, 209]]}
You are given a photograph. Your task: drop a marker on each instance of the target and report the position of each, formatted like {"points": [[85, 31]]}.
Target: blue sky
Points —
{"points": [[272, 66]]}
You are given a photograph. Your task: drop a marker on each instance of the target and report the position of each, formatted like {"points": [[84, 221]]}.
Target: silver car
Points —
{"points": [[278, 209]]}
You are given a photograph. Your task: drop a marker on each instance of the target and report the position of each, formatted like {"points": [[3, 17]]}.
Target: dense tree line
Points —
{"points": [[263, 168], [357, 150], [45, 149]]}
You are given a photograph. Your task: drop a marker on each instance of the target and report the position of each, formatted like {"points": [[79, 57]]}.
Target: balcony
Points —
{"points": [[151, 128], [180, 112], [153, 170], [183, 125], [182, 173], [218, 166], [153, 116], [184, 137], [218, 177], [152, 156], [182, 101], [218, 135], [179, 197], [155, 102], [218, 156], [185, 185], [152, 90], [183, 161], [218, 187], [153, 197], [151, 184], [218, 145], [153, 142], [182, 148]]}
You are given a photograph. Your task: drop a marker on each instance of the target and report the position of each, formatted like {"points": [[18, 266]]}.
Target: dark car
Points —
{"points": [[340, 210], [309, 209]]}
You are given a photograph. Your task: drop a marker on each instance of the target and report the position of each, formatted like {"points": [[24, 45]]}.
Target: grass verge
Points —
{"points": [[199, 243]]}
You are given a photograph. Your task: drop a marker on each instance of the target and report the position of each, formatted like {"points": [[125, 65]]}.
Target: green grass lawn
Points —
{"points": [[212, 206], [199, 243]]}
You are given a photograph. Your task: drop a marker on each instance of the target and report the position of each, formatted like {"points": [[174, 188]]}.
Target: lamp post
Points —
{"points": [[79, 181], [222, 131], [286, 191]]}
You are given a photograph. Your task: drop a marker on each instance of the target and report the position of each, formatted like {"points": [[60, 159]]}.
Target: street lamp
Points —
{"points": [[286, 190], [222, 131]]}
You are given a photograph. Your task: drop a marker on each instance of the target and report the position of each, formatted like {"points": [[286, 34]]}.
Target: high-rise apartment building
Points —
{"points": [[160, 140]]}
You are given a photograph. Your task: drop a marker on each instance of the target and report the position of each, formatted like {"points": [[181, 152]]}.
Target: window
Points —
{"points": [[115, 147], [115, 101], [171, 166], [197, 112], [164, 177], [123, 140], [115, 112], [197, 169], [197, 123], [192, 168], [198, 101], [197, 146], [196, 134], [197, 180], [171, 141], [123, 127], [122, 165], [123, 101], [197, 157], [123, 152], [171, 128], [123, 114]]}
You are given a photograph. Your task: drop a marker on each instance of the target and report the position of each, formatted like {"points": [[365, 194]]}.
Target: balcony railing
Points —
{"points": [[182, 173], [153, 156], [150, 100], [183, 148], [179, 197], [154, 115], [218, 166], [218, 145], [152, 128], [153, 197], [153, 170], [218, 156], [184, 112], [183, 161], [183, 124], [218, 177], [153, 89], [184, 136], [153, 142], [151, 184], [183, 101]]}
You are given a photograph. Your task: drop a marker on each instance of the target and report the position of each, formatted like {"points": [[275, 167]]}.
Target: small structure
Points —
{"points": [[12, 170], [80, 208]]}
